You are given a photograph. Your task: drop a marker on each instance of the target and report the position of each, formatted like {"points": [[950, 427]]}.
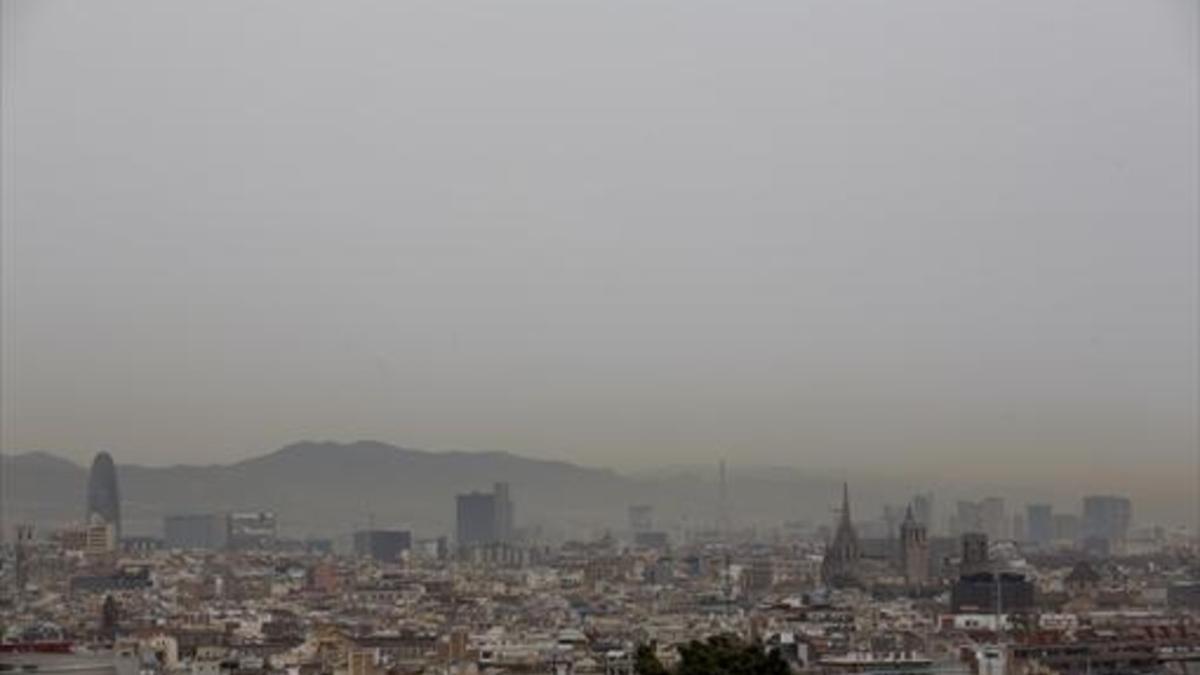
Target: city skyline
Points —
{"points": [[816, 246], [712, 503], [487, 518], [1160, 502], [599, 337], [935, 604]]}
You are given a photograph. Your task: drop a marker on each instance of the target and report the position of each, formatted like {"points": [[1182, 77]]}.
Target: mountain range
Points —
{"points": [[330, 489]]}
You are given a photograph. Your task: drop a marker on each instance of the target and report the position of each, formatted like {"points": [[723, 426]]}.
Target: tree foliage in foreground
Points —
{"points": [[720, 655]]}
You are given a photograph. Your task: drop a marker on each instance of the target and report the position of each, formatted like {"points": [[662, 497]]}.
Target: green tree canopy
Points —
{"points": [[719, 655]]}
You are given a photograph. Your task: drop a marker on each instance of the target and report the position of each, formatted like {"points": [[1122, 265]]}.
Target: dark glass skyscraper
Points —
{"points": [[103, 499], [1107, 518], [485, 517], [382, 545], [1039, 523], [476, 518], [504, 512]]}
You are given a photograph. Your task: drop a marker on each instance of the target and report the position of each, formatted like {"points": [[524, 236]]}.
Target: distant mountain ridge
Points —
{"points": [[323, 488], [330, 489]]}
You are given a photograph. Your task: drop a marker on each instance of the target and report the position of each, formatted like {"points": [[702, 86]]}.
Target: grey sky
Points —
{"points": [[844, 233]]}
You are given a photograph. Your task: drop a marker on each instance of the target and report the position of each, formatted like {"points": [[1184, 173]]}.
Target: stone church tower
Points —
{"points": [[840, 566], [914, 551]]}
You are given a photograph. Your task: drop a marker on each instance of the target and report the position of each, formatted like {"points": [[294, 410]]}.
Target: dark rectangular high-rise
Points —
{"points": [[977, 593], [485, 517], [1107, 518], [204, 531], [504, 512], [382, 545], [476, 518], [1039, 523]]}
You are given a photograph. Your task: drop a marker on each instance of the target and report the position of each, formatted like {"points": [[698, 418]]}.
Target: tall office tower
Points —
{"points": [[724, 520], [974, 553], [1039, 524], [1017, 532], [476, 520], [504, 512], [103, 498], [922, 506], [914, 550], [641, 518], [1066, 527], [991, 514], [893, 515], [840, 566], [1107, 518], [968, 518]]}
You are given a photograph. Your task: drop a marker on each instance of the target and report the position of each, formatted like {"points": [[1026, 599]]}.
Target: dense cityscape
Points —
{"points": [[600, 337], [994, 590]]}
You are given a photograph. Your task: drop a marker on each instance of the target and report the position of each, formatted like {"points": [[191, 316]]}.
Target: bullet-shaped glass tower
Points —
{"points": [[103, 499]]}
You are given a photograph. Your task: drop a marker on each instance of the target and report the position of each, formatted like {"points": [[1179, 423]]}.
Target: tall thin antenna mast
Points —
{"points": [[723, 525]]}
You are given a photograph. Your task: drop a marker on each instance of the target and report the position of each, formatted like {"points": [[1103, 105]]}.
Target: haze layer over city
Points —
{"points": [[952, 246], [600, 337]]}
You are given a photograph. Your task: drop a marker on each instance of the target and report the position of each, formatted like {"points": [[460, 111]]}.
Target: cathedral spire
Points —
{"points": [[839, 568], [846, 502]]}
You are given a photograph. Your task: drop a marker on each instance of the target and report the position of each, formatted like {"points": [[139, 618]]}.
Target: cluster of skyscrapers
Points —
{"points": [[485, 533], [486, 519], [482, 519], [1103, 526]]}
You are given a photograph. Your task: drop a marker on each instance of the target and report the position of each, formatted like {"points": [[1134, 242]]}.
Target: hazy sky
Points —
{"points": [[621, 232]]}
